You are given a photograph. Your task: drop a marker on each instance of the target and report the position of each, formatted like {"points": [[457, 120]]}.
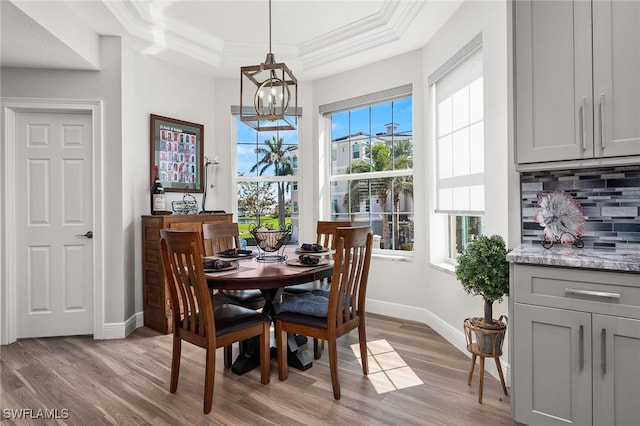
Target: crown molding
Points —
{"points": [[146, 21], [140, 21], [378, 29]]}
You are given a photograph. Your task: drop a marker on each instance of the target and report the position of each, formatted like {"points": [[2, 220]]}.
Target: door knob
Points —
{"points": [[88, 234]]}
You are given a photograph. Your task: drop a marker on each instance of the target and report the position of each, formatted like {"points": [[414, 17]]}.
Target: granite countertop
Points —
{"points": [[588, 258]]}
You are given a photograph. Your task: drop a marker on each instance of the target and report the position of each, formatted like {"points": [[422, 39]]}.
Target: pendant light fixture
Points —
{"points": [[268, 94]]}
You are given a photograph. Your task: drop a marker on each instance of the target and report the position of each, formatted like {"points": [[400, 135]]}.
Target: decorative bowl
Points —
{"points": [[271, 241]]}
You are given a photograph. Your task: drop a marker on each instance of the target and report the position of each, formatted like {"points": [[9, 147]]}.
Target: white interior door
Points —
{"points": [[54, 258]]}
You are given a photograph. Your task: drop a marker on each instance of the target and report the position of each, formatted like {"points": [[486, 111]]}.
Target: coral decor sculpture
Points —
{"points": [[561, 217]]}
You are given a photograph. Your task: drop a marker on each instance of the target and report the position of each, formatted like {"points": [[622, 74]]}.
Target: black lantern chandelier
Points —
{"points": [[274, 104]]}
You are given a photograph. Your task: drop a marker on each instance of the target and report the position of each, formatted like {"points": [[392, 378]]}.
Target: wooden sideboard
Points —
{"points": [[155, 294]]}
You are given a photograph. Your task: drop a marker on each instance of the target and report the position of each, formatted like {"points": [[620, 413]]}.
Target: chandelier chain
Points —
{"points": [[270, 50]]}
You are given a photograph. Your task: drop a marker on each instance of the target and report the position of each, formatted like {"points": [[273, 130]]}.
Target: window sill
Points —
{"points": [[444, 267], [392, 257]]}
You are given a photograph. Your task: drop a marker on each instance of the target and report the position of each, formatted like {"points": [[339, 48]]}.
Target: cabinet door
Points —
{"points": [[616, 77], [554, 108], [552, 366], [616, 371]]}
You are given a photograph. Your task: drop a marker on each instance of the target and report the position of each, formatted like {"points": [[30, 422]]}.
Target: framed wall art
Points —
{"points": [[177, 149]]}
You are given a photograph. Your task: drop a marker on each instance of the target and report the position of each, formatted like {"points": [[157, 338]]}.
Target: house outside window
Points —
{"points": [[459, 171], [371, 176], [265, 178]]}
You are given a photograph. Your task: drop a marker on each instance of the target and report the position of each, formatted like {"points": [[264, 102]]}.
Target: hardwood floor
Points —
{"points": [[126, 382]]}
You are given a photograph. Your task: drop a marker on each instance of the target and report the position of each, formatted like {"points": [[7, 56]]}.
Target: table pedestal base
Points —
{"points": [[250, 358]]}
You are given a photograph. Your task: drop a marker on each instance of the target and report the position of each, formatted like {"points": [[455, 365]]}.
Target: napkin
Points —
{"points": [[312, 247], [215, 264], [309, 260], [235, 252]]}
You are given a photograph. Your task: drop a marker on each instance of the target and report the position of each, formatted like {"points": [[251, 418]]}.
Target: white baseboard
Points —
{"points": [[120, 330], [452, 334]]}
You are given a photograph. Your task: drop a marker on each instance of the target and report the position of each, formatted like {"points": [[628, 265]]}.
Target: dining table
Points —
{"points": [[270, 277]]}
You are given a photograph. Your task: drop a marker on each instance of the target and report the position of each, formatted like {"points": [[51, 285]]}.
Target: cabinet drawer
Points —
{"points": [[609, 293]]}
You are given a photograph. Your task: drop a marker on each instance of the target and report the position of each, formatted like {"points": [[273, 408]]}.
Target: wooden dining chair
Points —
{"points": [[326, 237], [218, 237], [194, 317], [328, 318]]}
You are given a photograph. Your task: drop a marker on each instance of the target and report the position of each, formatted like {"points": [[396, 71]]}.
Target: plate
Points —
{"points": [[228, 268], [238, 256], [298, 262], [323, 251]]}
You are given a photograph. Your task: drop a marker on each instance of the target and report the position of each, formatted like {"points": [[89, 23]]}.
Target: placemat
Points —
{"points": [[232, 271]]}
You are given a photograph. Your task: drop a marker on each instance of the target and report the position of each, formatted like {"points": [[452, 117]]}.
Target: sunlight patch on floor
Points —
{"points": [[387, 370]]}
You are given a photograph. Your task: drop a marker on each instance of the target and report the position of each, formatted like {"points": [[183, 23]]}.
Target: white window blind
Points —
{"points": [[460, 137]]}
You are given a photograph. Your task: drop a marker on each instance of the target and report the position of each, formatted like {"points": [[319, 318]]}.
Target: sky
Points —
{"points": [[370, 120]]}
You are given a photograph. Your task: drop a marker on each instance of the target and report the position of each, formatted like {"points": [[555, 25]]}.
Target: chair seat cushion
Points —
{"points": [[307, 287], [242, 297], [230, 318], [316, 305], [307, 320]]}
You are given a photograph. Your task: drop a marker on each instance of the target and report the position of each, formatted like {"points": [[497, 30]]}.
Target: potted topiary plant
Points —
{"points": [[483, 270]]}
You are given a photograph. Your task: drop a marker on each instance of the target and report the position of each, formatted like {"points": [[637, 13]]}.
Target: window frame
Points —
{"points": [[451, 215], [295, 177], [396, 94]]}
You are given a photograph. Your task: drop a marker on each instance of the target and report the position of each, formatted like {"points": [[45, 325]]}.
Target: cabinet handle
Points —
{"points": [[603, 350], [581, 344], [602, 134], [580, 292], [583, 107]]}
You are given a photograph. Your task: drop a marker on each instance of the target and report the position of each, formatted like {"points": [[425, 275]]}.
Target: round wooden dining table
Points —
{"points": [[270, 278]]}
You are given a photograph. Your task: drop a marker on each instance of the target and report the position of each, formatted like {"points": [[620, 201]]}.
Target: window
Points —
{"points": [[459, 139], [371, 177], [266, 175]]}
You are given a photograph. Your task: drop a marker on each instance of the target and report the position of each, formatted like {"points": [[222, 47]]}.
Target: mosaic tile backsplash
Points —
{"points": [[610, 200]]}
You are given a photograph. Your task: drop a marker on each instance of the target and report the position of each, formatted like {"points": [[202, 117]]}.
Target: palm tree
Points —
{"points": [[383, 158], [273, 154], [402, 154], [363, 189]]}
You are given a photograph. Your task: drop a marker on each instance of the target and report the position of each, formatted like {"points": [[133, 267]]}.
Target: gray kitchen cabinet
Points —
{"points": [[616, 370], [577, 79], [576, 346]]}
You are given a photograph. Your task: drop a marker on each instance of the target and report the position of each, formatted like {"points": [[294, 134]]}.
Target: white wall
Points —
{"points": [[158, 87], [447, 300], [416, 289], [146, 85], [384, 284], [102, 85]]}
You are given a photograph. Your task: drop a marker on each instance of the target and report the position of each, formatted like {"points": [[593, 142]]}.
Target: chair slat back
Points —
{"points": [[350, 274], [220, 236], [190, 297], [326, 232]]}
